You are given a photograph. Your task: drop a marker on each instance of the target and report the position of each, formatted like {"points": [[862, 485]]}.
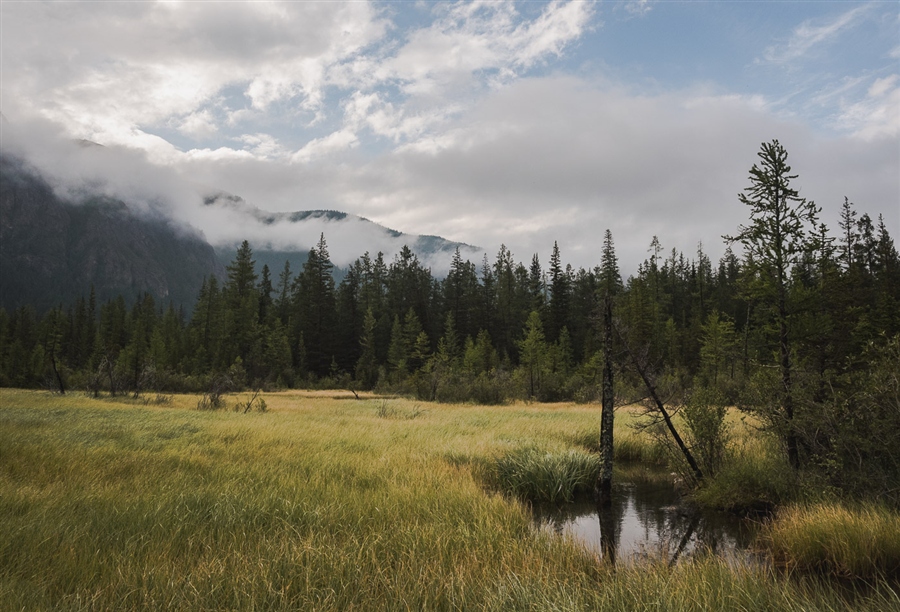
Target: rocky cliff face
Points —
{"points": [[52, 251]]}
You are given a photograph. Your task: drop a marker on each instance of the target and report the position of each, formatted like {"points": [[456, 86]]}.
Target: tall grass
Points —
{"points": [[850, 542], [754, 477], [317, 504], [549, 476]]}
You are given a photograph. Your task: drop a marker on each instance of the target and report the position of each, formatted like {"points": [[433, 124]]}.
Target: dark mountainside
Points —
{"points": [[52, 251]]}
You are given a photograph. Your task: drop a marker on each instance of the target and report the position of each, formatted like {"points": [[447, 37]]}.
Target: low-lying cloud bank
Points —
{"points": [[80, 171], [542, 160]]}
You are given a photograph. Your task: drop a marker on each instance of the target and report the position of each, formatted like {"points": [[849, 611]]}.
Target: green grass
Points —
{"points": [[547, 476], [317, 504], [754, 477]]}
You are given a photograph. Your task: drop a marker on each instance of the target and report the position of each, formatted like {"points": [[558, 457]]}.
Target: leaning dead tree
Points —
{"points": [[641, 366]]}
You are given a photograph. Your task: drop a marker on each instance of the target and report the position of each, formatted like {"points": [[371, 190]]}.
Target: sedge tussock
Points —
{"points": [[833, 538]]}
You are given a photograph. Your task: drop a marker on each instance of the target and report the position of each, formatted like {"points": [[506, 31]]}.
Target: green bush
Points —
{"points": [[706, 430]]}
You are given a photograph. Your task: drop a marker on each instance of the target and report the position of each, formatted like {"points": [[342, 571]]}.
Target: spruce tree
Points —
{"points": [[775, 239]]}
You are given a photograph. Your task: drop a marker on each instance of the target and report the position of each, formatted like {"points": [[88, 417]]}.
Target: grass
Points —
{"points": [[833, 538], [546, 476], [317, 504], [755, 477]]}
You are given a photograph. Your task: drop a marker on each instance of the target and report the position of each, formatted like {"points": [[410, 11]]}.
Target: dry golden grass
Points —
{"points": [[317, 504]]}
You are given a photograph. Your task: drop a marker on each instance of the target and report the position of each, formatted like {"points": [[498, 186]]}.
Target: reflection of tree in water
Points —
{"points": [[610, 520], [662, 519], [649, 520]]}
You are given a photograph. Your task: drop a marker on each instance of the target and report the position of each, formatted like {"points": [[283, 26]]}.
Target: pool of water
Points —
{"points": [[649, 520]]}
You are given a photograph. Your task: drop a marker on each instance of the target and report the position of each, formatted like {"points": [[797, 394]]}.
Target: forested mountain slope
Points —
{"points": [[52, 251]]}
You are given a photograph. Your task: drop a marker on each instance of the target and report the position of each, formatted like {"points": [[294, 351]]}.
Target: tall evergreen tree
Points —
{"points": [[533, 354], [242, 309], [610, 284], [777, 237], [315, 308], [560, 296]]}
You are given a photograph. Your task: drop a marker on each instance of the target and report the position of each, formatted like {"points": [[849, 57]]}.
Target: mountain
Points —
{"points": [[52, 250], [288, 236]]}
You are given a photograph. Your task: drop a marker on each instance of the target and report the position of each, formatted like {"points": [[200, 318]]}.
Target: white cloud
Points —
{"points": [[264, 146], [810, 34], [638, 7], [444, 127], [198, 125], [470, 38], [877, 115], [334, 142], [559, 159], [147, 63]]}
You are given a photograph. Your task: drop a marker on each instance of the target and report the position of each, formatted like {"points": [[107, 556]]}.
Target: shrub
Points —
{"points": [[707, 433]]}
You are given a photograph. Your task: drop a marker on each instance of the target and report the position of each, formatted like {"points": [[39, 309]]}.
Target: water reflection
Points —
{"points": [[650, 521]]}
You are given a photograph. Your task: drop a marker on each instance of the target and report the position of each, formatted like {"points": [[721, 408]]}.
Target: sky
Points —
{"points": [[488, 123]]}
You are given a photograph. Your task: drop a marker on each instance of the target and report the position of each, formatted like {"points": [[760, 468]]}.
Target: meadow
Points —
{"points": [[329, 502]]}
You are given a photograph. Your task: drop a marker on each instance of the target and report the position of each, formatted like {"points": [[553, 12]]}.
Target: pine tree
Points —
{"points": [[536, 285], [366, 367], [242, 338], [265, 291], [533, 354], [315, 308]]}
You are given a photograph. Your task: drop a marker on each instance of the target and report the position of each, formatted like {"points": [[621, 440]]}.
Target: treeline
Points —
{"points": [[498, 332], [794, 324]]}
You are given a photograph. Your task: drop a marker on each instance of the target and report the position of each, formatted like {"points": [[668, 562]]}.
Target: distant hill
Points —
{"points": [[52, 251]]}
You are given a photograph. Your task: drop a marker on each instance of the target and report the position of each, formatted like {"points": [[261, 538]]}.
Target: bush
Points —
{"points": [[213, 398], [752, 480], [852, 437], [706, 431]]}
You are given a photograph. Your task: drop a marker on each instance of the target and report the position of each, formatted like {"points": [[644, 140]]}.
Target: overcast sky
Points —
{"points": [[484, 122]]}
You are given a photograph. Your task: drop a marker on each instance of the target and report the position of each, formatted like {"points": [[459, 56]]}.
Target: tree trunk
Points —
{"points": [[604, 483], [788, 398]]}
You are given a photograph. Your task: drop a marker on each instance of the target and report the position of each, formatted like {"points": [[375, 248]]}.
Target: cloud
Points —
{"points": [[453, 119], [336, 141], [150, 65], [199, 125], [877, 115], [559, 158], [146, 63], [810, 34], [638, 7], [77, 172]]}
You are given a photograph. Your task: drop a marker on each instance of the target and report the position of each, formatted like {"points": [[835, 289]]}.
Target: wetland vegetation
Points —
{"points": [[340, 504]]}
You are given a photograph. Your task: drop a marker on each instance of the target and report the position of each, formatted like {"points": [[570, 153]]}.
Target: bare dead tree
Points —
{"points": [[640, 364]]}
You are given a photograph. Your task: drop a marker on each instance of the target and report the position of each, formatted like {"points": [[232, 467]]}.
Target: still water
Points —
{"points": [[650, 520]]}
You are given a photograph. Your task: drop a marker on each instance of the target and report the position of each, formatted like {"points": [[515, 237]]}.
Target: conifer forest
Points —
{"points": [[797, 323]]}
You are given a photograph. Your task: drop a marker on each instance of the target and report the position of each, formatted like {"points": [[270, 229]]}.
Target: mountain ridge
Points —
{"points": [[54, 249]]}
